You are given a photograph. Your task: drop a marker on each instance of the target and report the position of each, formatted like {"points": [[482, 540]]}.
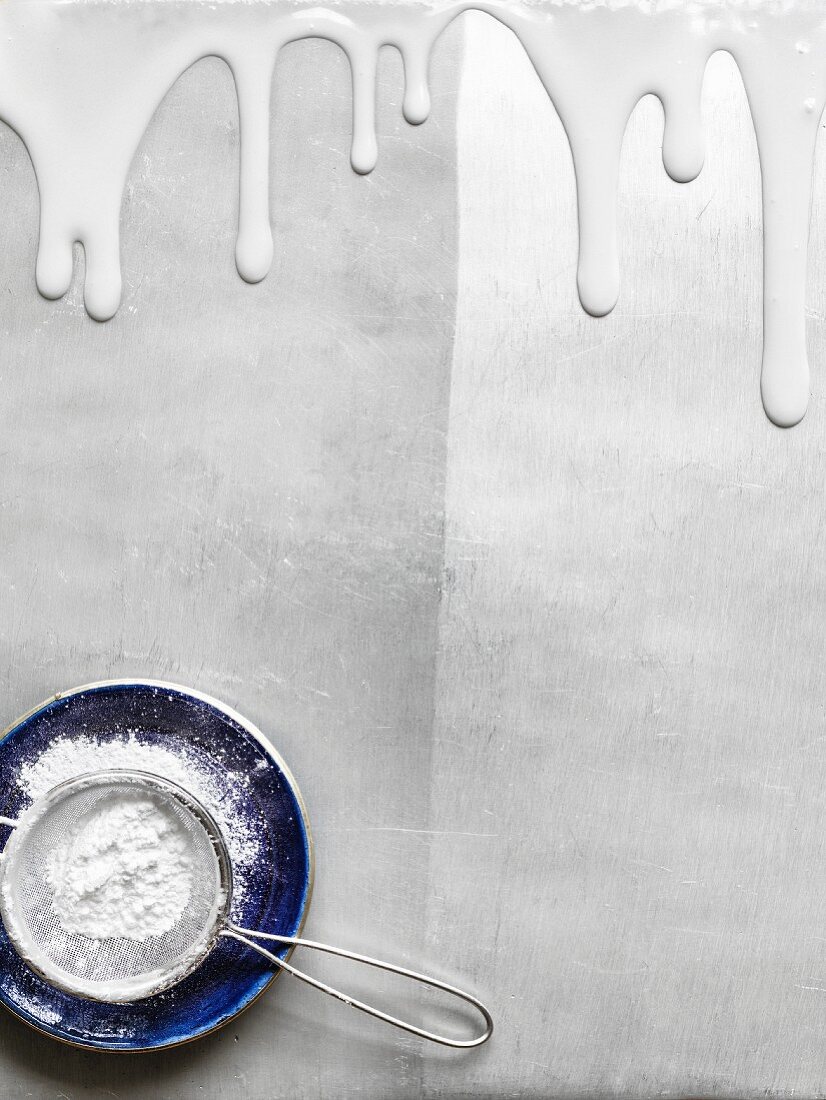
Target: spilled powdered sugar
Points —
{"points": [[67, 759], [44, 1014]]}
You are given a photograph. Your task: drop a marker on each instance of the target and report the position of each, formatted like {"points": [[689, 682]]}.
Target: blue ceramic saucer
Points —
{"points": [[237, 775]]}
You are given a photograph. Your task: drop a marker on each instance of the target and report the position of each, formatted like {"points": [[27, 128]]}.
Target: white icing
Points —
{"points": [[79, 81]]}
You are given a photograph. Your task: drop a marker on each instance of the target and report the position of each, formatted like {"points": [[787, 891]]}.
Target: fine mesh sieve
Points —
{"points": [[124, 969], [110, 969]]}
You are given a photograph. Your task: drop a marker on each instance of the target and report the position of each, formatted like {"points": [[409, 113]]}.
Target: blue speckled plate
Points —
{"points": [[234, 771]]}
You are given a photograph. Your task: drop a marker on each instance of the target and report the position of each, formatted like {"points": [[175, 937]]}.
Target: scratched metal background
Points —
{"points": [[533, 604]]}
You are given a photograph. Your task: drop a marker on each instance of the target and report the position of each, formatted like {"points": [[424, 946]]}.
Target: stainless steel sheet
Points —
{"points": [[533, 604]]}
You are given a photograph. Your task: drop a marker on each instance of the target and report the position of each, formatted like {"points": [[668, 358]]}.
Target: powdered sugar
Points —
{"points": [[123, 872], [67, 758], [43, 1013]]}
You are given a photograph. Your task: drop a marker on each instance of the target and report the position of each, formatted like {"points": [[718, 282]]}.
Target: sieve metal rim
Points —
{"points": [[154, 981]]}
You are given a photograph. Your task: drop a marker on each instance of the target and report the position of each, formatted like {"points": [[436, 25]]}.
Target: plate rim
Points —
{"points": [[269, 748]]}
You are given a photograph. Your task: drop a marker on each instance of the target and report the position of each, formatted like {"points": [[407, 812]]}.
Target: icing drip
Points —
{"points": [[79, 82]]}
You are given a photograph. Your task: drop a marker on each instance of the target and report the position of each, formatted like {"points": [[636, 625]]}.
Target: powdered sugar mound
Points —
{"points": [[123, 871], [68, 758]]}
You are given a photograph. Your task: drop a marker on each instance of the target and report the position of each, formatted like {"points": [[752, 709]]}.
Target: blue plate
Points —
{"points": [[234, 771]]}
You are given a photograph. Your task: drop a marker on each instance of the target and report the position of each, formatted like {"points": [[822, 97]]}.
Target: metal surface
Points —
{"points": [[533, 608]]}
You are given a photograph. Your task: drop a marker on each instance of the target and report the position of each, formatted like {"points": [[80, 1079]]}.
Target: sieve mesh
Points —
{"points": [[110, 969]]}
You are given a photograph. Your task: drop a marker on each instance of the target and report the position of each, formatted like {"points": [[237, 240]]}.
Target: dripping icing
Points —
{"points": [[81, 79]]}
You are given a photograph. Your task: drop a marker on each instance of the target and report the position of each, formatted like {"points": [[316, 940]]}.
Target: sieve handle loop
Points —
{"points": [[244, 935]]}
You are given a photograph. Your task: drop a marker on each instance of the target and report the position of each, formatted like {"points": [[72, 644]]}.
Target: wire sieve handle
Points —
{"points": [[244, 935]]}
